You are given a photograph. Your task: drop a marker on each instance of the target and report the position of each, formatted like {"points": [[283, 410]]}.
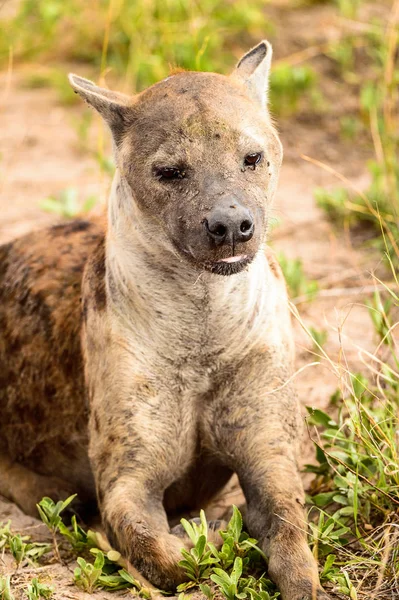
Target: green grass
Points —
{"points": [[378, 206], [138, 40], [355, 493]]}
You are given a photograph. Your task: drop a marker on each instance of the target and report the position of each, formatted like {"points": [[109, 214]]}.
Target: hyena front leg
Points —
{"points": [[257, 432], [137, 450]]}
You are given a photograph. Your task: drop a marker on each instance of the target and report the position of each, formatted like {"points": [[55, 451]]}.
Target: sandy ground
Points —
{"points": [[41, 155]]}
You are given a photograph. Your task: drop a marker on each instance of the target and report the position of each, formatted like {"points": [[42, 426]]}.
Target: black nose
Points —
{"points": [[230, 225]]}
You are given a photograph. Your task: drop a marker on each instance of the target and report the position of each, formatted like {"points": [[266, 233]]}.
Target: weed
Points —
{"points": [[87, 575], [66, 204], [105, 573], [291, 84], [349, 8], [350, 127], [229, 584], [37, 590], [5, 588], [298, 284], [319, 337], [5, 533], [228, 567], [355, 493], [50, 514], [379, 311], [21, 548], [55, 79], [77, 536], [198, 561], [82, 126]]}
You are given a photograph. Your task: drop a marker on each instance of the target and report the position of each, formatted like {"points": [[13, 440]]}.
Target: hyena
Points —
{"points": [[147, 357]]}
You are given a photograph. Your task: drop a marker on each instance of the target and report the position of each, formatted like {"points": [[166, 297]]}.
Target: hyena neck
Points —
{"points": [[145, 271]]}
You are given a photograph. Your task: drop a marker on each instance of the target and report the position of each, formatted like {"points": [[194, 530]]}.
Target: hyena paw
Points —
{"points": [[318, 594]]}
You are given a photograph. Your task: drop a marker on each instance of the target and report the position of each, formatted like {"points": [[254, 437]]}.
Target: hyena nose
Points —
{"points": [[232, 225]]}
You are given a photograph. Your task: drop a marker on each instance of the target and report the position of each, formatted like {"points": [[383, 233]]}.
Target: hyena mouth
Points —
{"points": [[231, 265]]}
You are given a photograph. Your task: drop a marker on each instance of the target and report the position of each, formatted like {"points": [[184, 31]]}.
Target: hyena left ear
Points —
{"points": [[253, 71], [114, 107]]}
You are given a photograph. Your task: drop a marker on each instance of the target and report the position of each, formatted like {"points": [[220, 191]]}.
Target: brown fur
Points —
{"points": [[166, 378]]}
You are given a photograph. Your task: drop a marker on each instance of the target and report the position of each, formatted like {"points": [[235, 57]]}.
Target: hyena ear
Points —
{"points": [[253, 71], [114, 107]]}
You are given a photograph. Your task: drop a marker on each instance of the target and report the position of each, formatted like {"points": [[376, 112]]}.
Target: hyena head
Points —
{"points": [[198, 161]]}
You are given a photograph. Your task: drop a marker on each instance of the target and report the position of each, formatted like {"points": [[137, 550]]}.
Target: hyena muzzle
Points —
{"points": [[146, 358]]}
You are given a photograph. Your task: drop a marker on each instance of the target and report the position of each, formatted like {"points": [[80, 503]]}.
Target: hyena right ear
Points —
{"points": [[114, 107], [253, 70]]}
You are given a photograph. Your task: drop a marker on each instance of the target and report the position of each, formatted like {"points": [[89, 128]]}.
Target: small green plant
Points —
{"points": [[343, 53], [291, 84], [87, 575], [105, 573], [17, 548], [50, 514], [337, 205], [66, 204], [232, 568], [5, 588], [379, 311], [37, 590], [350, 127], [82, 125], [298, 284], [77, 536], [319, 337], [198, 561], [5, 533], [55, 79], [328, 533], [20, 547], [229, 584]]}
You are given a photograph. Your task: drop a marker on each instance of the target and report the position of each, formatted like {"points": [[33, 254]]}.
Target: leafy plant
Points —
{"points": [[319, 336], [21, 548], [227, 567], [5, 588], [5, 533], [87, 575], [198, 561], [229, 584], [37, 590], [77, 536], [66, 204], [291, 84], [105, 573], [379, 311], [50, 514], [298, 284]]}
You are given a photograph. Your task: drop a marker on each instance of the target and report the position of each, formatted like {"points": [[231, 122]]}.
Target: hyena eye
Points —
{"points": [[164, 173], [251, 160]]}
